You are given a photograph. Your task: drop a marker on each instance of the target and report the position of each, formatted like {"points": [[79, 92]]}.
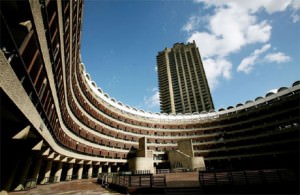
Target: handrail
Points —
{"points": [[246, 177], [132, 180]]}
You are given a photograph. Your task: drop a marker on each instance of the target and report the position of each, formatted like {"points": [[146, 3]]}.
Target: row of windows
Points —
{"points": [[59, 134], [113, 124], [86, 104], [290, 146]]}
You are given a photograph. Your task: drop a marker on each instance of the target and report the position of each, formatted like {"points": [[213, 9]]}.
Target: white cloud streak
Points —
{"points": [[295, 18], [192, 24], [278, 57], [248, 62], [153, 101]]}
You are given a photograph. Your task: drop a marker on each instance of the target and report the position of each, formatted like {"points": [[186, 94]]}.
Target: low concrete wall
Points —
{"points": [[141, 163], [186, 147], [198, 163], [180, 160]]}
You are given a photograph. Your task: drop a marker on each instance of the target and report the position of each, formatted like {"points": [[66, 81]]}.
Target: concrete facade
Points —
{"points": [[140, 164], [58, 125], [186, 146], [184, 158], [143, 160]]}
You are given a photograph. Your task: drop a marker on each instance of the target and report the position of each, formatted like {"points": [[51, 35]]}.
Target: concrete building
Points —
{"points": [[57, 125], [183, 86]]}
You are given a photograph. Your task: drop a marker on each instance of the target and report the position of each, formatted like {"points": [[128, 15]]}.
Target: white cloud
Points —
{"points": [[152, 101], [278, 57], [216, 68], [295, 17], [256, 5], [246, 65], [229, 29], [262, 50], [260, 32], [248, 62], [232, 26], [296, 4], [192, 23], [207, 43], [272, 7]]}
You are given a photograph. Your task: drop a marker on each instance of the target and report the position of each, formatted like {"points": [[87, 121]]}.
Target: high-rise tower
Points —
{"points": [[183, 85]]}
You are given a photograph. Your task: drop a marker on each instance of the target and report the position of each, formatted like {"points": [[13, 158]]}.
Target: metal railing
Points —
{"points": [[162, 171], [246, 177], [132, 180]]}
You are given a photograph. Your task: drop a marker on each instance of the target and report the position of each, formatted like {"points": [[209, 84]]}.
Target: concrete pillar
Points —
{"points": [[58, 171], [35, 173], [109, 169], [70, 172], [47, 172], [79, 175], [7, 185], [23, 174], [99, 169], [90, 171]]}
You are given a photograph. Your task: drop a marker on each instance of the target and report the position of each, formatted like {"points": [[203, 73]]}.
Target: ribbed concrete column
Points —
{"points": [[109, 169], [79, 175], [47, 172], [90, 171], [23, 174], [58, 171], [6, 186], [35, 172], [70, 172]]}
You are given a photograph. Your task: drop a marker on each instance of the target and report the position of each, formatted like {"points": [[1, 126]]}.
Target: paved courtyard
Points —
{"points": [[77, 187], [90, 186], [182, 179]]}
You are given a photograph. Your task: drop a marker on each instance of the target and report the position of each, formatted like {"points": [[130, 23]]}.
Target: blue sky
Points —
{"points": [[248, 47]]}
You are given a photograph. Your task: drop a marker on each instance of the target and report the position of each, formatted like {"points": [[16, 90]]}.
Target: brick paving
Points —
{"points": [[182, 179], [91, 187], [77, 187]]}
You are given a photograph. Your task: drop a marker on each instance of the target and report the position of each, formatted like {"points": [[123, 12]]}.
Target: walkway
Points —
{"points": [[77, 187], [182, 179], [175, 183]]}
